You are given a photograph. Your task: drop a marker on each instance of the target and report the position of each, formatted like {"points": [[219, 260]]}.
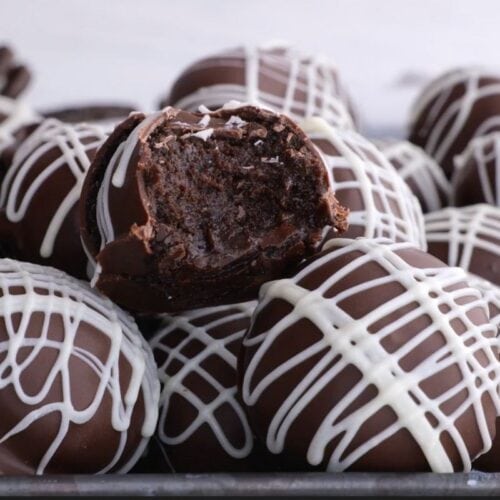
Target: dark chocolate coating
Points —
{"points": [[94, 113], [15, 77], [337, 339], [467, 237], [475, 178], [209, 207], [379, 201], [277, 77], [490, 461], [18, 137], [202, 426], [51, 144], [56, 345], [465, 105]]}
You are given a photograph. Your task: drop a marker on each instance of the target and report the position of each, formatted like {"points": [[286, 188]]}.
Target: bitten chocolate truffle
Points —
{"points": [[477, 172], [379, 201], [452, 110], [276, 76], [375, 356], [422, 174], [186, 210], [467, 237], [78, 384], [202, 425], [39, 196]]}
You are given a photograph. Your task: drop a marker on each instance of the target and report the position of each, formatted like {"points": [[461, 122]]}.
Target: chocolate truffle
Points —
{"points": [[101, 114], [477, 172], [39, 196], [452, 110], [379, 201], [78, 384], [202, 425], [185, 210], [14, 77], [276, 76], [422, 174], [467, 237], [375, 356]]}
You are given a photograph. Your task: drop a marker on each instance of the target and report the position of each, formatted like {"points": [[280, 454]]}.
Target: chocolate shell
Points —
{"points": [[467, 237], [40, 193], [274, 76], [78, 384], [202, 425], [187, 210], [374, 357], [379, 201], [423, 175], [452, 110]]}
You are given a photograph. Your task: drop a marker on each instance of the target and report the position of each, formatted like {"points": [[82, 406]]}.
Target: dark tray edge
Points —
{"points": [[276, 484]]}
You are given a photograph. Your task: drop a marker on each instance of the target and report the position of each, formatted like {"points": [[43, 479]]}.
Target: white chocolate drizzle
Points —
{"points": [[72, 142], [53, 294], [189, 322], [491, 294], [115, 175], [442, 125], [311, 83], [422, 173], [389, 209], [359, 343], [466, 230], [484, 153]]}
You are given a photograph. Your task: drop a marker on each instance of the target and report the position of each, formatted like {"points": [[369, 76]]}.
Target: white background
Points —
{"points": [[130, 50]]}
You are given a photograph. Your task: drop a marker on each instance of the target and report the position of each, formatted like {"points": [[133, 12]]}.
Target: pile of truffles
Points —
{"points": [[241, 281]]}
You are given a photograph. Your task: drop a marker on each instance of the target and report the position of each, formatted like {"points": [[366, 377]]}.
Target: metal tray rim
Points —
{"points": [[256, 484]]}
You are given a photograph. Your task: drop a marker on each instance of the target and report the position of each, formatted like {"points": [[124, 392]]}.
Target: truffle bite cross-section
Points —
{"points": [[183, 210]]}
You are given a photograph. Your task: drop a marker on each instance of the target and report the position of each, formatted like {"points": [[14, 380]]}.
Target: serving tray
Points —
{"points": [[279, 484]]}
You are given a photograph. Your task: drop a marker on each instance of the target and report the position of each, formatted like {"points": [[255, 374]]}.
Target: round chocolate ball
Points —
{"points": [[375, 356], [14, 77], [202, 425], [422, 174], [40, 193], [100, 114], [276, 76], [452, 110], [186, 210], [477, 172], [467, 237], [78, 384], [379, 201]]}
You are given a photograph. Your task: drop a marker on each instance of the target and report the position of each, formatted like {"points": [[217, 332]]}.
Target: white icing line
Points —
{"points": [[175, 385], [72, 143], [389, 209], [74, 302]]}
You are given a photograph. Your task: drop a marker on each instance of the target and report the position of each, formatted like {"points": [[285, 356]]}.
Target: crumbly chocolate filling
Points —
{"points": [[224, 194]]}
